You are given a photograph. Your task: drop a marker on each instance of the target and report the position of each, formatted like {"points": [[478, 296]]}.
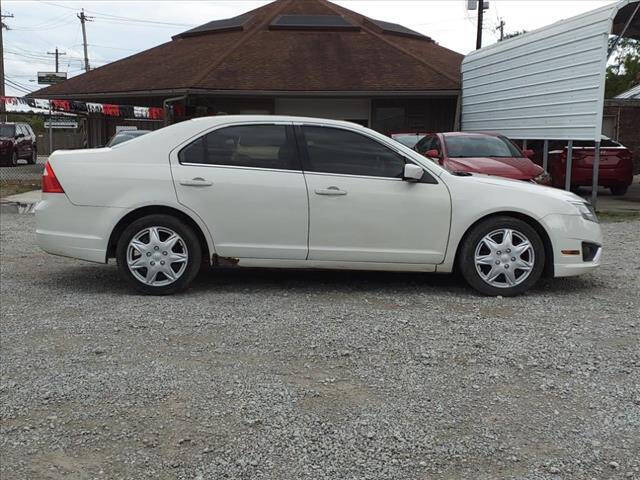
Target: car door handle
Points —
{"points": [[196, 182], [330, 191]]}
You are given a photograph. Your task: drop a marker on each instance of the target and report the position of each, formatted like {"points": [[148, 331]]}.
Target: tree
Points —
{"points": [[623, 71]]}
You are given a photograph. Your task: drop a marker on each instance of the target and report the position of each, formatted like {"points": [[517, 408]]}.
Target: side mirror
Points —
{"points": [[412, 173], [529, 153], [432, 153], [19, 135]]}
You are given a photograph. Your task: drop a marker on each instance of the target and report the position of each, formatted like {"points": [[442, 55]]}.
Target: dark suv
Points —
{"points": [[17, 140]]}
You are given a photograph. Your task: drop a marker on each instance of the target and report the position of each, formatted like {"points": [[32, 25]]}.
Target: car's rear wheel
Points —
{"points": [[14, 159], [502, 256], [619, 190], [159, 254]]}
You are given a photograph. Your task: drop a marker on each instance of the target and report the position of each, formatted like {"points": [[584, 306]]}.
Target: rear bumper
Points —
{"points": [[74, 231], [607, 177], [568, 233]]}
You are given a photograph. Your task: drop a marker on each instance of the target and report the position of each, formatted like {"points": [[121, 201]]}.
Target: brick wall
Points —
{"points": [[627, 113]]}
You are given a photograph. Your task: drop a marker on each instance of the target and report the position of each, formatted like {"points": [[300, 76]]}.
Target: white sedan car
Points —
{"points": [[292, 192]]}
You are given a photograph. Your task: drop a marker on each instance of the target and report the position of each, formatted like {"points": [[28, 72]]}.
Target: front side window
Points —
{"points": [[332, 150], [461, 146], [7, 131], [258, 146]]}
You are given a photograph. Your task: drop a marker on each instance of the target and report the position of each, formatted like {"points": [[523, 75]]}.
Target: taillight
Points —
{"points": [[50, 183]]}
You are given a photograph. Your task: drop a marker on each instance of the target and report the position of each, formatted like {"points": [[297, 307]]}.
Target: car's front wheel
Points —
{"points": [[34, 157], [14, 159], [159, 254], [502, 256]]}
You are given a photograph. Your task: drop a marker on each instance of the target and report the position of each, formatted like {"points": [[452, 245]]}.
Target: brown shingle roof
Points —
{"points": [[256, 58]]}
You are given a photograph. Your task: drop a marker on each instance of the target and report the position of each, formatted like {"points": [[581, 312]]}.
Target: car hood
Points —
{"points": [[526, 187], [511, 167]]}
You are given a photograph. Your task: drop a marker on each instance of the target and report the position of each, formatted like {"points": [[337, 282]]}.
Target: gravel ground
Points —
{"points": [[294, 375]]}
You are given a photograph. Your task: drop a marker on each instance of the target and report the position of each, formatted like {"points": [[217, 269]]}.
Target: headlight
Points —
{"points": [[586, 210], [543, 179]]}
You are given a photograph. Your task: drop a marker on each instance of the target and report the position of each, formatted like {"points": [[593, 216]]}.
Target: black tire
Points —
{"points": [[34, 157], [190, 239], [466, 259], [619, 190], [14, 159]]}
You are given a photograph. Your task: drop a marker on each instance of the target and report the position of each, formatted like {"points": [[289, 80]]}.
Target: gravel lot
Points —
{"points": [[292, 375]]}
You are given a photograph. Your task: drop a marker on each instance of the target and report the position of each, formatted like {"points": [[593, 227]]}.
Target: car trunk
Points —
{"points": [[583, 157]]}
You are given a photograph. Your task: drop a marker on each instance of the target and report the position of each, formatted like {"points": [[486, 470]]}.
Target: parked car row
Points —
{"points": [[494, 154], [17, 141]]}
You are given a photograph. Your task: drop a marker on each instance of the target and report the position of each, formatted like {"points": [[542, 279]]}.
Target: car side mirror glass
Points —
{"points": [[432, 153], [528, 153], [412, 173]]}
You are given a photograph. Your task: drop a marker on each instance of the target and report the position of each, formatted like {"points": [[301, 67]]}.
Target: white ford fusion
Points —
{"points": [[292, 192]]}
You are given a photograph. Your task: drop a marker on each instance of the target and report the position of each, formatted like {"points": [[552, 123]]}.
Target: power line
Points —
{"points": [[121, 18]]}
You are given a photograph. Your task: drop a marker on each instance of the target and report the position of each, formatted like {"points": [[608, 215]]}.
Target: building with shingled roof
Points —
{"points": [[290, 57]]}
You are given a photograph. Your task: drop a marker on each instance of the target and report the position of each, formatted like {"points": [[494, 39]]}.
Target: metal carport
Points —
{"points": [[547, 84]]}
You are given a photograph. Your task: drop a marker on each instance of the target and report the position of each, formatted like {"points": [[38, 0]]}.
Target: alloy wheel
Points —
{"points": [[157, 256], [504, 258]]}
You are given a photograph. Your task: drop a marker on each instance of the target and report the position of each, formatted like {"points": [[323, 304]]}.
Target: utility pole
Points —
{"points": [[480, 21], [501, 29], [57, 54], [2, 27], [83, 18]]}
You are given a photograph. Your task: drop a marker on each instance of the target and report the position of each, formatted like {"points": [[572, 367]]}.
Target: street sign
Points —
{"points": [[473, 5], [51, 78], [61, 122]]}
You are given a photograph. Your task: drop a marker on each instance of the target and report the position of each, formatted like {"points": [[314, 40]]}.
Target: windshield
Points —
{"points": [[408, 140], [461, 146], [7, 130]]}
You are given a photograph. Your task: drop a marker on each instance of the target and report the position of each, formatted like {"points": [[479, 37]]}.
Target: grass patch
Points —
{"points": [[13, 187], [613, 217]]}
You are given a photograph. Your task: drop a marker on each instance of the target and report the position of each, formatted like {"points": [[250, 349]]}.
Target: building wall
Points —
{"points": [[626, 125], [351, 109]]}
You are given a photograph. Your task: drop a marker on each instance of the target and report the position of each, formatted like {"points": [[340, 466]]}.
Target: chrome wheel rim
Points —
{"points": [[157, 256], [504, 258]]}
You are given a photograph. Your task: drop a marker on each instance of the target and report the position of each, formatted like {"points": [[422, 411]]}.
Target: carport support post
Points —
{"points": [[567, 176], [596, 171], [545, 155], [50, 131]]}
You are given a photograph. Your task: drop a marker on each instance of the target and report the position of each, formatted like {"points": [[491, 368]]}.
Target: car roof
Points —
{"points": [[222, 119], [471, 134]]}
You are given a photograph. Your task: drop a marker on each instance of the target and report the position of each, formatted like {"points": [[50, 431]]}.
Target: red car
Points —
{"points": [[487, 153], [616, 165]]}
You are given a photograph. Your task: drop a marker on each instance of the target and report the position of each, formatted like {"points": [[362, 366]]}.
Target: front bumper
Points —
{"points": [[568, 234], [69, 230]]}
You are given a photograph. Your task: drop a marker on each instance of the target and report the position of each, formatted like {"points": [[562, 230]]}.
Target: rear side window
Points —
{"points": [[256, 146], [332, 150]]}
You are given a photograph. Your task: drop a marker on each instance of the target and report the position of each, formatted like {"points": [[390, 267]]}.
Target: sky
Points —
{"points": [[120, 28]]}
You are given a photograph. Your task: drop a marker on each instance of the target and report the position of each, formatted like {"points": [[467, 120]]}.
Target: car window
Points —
{"points": [[19, 130], [461, 146], [333, 150], [258, 146], [7, 130], [424, 144]]}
